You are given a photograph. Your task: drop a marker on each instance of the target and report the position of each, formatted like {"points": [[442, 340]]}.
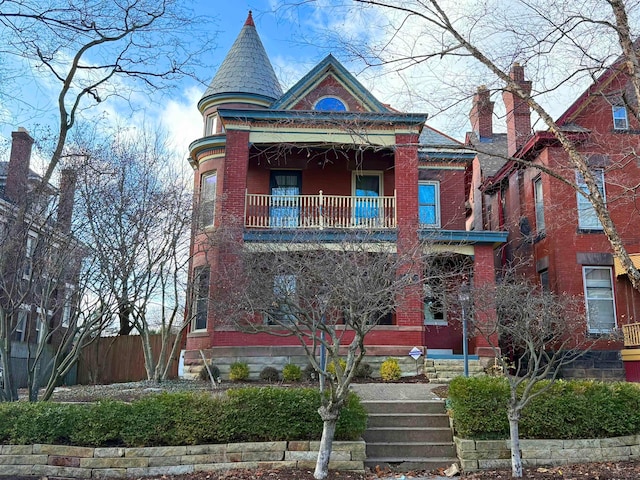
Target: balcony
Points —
{"points": [[319, 212]]}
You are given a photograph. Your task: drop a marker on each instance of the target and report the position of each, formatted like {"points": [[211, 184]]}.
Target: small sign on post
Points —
{"points": [[416, 353]]}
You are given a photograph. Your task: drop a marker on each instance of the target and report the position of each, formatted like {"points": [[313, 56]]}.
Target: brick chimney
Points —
{"points": [[481, 114], [518, 112], [68, 178], [18, 173]]}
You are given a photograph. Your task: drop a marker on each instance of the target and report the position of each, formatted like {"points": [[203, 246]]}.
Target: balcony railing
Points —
{"points": [[631, 335], [319, 211]]}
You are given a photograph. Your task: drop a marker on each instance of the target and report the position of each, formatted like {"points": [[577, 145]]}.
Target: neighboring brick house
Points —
{"points": [[554, 237], [417, 171], [37, 282]]}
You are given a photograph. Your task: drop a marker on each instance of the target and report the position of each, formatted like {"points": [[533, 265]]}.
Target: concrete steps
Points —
{"points": [[443, 371], [408, 435]]}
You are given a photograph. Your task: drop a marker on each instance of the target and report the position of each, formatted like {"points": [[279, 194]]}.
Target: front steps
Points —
{"points": [[407, 435], [445, 370]]}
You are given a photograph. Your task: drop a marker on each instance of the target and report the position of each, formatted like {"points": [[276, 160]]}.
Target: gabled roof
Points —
{"points": [[491, 154], [329, 66], [246, 69]]}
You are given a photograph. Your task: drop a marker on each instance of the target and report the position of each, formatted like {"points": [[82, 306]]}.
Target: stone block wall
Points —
{"points": [[119, 462], [490, 454]]}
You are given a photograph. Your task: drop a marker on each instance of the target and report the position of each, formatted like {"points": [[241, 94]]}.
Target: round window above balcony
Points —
{"points": [[330, 104]]}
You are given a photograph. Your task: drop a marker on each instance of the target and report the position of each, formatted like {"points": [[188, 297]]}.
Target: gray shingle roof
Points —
{"points": [[491, 153], [431, 137], [246, 68]]}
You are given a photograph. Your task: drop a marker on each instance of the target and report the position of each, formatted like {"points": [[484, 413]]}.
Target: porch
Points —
{"points": [[320, 211]]}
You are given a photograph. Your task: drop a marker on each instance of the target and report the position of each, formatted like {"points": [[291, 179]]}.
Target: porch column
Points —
{"points": [[484, 276], [236, 165], [410, 309]]}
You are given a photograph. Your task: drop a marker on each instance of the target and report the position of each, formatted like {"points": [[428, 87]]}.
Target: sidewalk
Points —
{"points": [[396, 391]]}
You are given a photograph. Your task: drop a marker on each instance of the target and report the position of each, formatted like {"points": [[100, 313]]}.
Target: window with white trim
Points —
{"points": [[429, 203], [587, 218], [208, 187], [539, 205], [620, 118], [434, 305], [29, 252], [18, 334], [200, 308], [284, 299], [599, 299], [67, 305]]}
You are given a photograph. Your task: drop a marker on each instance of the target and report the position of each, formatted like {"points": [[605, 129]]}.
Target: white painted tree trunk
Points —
{"points": [[329, 419], [516, 459]]}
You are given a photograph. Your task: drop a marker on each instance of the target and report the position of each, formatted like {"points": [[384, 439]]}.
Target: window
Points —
{"points": [[330, 104], [21, 327], [208, 183], [42, 326], [434, 309], [200, 309], [598, 296], [29, 251], [67, 306], [587, 218], [284, 293], [429, 204], [367, 187], [544, 280], [620, 119], [539, 205]]}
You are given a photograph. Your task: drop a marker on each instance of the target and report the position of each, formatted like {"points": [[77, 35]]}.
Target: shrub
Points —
{"points": [[239, 371], [251, 414], [331, 366], [270, 374], [215, 373], [573, 409], [363, 370], [390, 370], [292, 373]]}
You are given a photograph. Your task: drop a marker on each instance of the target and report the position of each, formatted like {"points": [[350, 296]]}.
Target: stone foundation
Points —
{"points": [[490, 454], [120, 462]]}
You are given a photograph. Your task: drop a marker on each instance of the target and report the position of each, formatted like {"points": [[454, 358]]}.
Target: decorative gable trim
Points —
{"points": [[330, 66]]}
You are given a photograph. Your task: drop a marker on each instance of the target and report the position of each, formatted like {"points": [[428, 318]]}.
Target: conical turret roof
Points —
{"points": [[246, 68]]}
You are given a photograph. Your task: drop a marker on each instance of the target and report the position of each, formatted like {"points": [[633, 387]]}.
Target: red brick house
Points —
{"points": [[38, 273], [554, 237], [414, 174]]}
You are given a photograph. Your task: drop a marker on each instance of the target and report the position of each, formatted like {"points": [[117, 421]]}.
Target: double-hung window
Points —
{"points": [[599, 300], [587, 218], [284, 299], [620, 118], [200, 309], [208, 184], [429, 203], [539, 205]]}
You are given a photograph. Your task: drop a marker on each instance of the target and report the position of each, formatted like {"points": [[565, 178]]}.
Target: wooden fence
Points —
{"points": [[118, 359]]}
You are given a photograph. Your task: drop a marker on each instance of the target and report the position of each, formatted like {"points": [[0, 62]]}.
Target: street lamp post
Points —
{"points": [[464, 296]]}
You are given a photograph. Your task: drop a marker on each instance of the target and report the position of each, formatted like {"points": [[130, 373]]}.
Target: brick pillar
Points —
{"points": [[484, 276], [481, 114], [235, 175], [68, 179], [410, 309]]}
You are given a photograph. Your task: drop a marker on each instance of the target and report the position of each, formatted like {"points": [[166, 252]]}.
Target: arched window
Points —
{"points": [[330, 104]]}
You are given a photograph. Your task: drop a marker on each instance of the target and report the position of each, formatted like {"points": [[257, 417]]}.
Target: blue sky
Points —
{"points": [[295, 40]]}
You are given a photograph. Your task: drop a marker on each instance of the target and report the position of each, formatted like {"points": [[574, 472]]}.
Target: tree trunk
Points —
{"points": [[516, 459], [330, 418]]}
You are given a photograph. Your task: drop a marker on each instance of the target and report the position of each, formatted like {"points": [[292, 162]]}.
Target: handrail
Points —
{"points": [[319, 211]]}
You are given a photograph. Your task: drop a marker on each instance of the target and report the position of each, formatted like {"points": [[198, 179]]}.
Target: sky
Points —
{"points": [[296, 39]]}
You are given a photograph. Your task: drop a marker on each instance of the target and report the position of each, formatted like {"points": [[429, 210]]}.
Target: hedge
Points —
{"points": [[244, 415], [569, 409]]}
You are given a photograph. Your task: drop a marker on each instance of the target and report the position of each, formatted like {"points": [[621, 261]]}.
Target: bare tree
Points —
{"points": [[137, 211], [565, 44], [329, 296], [96, 50], [534, 336]]}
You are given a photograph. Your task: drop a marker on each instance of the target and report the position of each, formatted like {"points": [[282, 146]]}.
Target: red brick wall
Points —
{"points": [[329, 87]]}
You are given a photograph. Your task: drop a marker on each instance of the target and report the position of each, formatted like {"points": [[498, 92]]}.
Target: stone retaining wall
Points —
{"points": [[490, 454], [120, 462]]}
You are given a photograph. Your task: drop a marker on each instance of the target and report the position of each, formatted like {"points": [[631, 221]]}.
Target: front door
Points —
{"points": [[284, 210]]}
